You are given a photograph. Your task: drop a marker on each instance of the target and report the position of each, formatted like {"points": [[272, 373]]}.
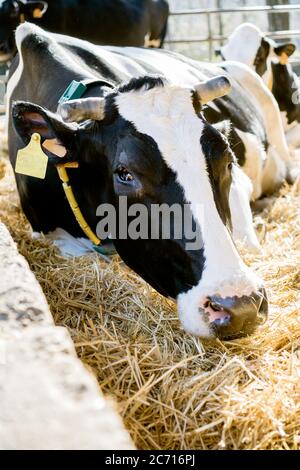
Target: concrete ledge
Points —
{"points": [[48, 400]]}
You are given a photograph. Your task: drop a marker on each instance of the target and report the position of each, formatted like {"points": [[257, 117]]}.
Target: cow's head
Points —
{"points": [[268, 51], [247, 44], [155, 147], [12, 13]]}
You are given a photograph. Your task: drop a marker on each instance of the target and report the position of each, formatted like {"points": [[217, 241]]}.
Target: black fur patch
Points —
{"points": [[148, 82]]}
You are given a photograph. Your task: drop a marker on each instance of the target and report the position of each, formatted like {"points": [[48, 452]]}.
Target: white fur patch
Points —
{"points": [[241, 217], [255, 157], [167, 115]]}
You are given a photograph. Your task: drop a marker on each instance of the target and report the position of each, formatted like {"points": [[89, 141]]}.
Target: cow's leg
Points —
{"points": [[241, 216]]}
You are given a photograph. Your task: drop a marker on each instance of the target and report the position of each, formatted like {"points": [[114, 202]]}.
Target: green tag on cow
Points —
{"points": [[74, 91]]}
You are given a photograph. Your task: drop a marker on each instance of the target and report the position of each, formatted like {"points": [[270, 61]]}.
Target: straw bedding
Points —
{"points": [[173, 391]]}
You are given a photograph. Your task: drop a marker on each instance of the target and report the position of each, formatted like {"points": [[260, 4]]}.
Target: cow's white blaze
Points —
{"points": [[167, 115]]}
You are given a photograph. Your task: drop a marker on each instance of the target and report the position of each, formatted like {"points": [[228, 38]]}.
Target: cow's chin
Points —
{"points": [[193, 320]]}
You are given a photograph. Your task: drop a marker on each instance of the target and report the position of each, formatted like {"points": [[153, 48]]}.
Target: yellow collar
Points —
{"points": [[63, 175]]}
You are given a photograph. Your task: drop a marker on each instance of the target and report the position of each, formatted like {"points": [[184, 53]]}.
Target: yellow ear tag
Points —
{"points": [[284, 59], [37, 13], [31, 160]]}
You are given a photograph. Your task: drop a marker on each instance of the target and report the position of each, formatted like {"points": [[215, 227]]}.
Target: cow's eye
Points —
{"points": [[229, 166], [124, 175]]}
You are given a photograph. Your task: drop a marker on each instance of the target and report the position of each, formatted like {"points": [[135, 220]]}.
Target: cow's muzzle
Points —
{"points": [[234, 317]]}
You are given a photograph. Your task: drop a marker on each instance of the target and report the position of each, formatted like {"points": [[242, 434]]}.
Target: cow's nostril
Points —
{"points": [[232, 317], [215, 307], [216, 314]]}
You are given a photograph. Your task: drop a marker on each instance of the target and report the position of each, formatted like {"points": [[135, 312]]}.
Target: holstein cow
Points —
{"points": [[270, 60], [255, 131], [118, 22], [146, 139]]}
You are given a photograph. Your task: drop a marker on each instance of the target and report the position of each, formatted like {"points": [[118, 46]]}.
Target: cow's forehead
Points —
{"points": [[161, 100], [166, 114]]}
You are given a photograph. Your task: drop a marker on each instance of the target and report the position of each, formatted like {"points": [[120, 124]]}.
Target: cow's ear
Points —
{"points": [[289, 48], [34, 9], [58, 136]]}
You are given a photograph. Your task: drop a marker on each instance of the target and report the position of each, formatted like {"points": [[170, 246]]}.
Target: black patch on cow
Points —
{"points": [[284, 87], [218, 159], [260, 61], [95, 64], [287, 48], [236, 144], [147, 82], [196, 102]]}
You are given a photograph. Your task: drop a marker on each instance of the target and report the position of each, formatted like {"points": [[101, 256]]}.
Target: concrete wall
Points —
{"points": [[48, 400]]}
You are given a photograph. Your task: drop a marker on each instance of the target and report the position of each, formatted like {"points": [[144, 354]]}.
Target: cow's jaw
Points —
{"points": [[167, 115]]}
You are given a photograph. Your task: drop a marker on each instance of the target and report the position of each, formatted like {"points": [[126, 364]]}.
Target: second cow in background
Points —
{"points": [[270, 60], [117, 22]]}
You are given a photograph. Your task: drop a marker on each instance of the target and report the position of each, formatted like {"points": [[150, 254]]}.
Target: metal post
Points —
{"points": [[221, 29], [210, 36], [244, 15], [280, 21]]}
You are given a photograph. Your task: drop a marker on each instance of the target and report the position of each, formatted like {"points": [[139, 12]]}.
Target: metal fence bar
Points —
{"points": [[210, 35], [283, 34], [211, 39], [278, 34], [211, 11]]}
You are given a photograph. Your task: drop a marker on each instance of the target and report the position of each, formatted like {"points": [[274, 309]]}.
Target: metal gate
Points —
{"points": [[211, 39]]}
